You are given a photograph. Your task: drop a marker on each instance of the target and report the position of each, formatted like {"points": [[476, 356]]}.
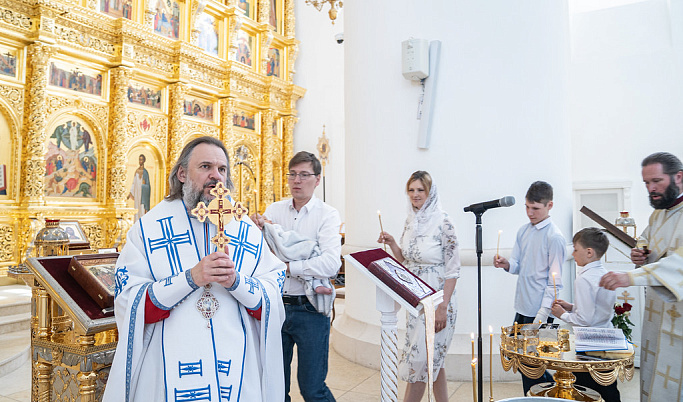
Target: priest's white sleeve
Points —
{"points": [[168, 292], [247, 290], [667, 272]]}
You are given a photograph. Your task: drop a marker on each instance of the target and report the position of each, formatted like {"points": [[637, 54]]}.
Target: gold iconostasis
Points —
{"points": [[98, 97]]}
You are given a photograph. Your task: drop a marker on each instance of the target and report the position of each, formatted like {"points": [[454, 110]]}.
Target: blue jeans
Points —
{"points": [[310, 331]]}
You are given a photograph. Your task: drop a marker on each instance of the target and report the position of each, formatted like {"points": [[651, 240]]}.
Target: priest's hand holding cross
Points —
{"points": [[217, 266]]}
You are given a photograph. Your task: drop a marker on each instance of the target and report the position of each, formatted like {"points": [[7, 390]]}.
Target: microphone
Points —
{"points": [[483, 206]]}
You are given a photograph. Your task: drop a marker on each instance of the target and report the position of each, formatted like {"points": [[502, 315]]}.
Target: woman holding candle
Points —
{"points": [[429, 248]]}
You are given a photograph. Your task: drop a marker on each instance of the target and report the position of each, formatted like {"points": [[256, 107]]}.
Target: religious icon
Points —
{"points": [[71, 161], [8, 64], [208, 33], [167, 18], [273, 14], [198, 108], [244, 48], [140, 189], [273, 64], [75, 79], [244, 119], [245, 7], [145, 96], [117, 8]]}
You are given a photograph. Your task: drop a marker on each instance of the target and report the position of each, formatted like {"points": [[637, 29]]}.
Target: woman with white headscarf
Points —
{"points": [[429, 249]]}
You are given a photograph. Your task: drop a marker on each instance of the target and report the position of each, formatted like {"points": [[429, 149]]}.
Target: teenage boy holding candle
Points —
{"points": [[539, 251], [594, 306]]}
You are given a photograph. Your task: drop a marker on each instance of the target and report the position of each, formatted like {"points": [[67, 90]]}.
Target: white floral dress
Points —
{"points": [[430, 250]]}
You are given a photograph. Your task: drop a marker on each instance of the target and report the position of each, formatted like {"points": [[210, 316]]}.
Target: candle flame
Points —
{"points": [[554, 273], [379, 213], [490, 329], [499, 232], [474, 361], [472, 335]]}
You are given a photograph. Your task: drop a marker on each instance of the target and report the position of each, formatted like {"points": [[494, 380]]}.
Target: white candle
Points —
{"points": [[554, 286], [379, 215], [472, 338], [498, 246]]}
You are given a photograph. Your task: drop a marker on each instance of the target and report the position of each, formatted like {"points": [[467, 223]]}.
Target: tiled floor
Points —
{"points": [[349, 382]]}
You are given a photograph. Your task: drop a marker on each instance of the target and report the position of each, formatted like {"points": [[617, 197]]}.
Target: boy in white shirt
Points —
{"points": [[594, 305]]}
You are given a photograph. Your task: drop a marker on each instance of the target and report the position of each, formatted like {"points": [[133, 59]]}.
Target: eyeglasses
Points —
{"points": [[303, 176]]}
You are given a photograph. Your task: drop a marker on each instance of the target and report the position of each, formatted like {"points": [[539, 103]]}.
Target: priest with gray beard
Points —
{"points": [[195, 322]]}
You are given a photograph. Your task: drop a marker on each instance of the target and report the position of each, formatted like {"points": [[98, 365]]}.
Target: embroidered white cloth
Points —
{"points": [[661, 374], [291, 246], [236, 357]]}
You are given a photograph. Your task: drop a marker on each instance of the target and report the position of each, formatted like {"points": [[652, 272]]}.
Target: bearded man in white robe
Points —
{"points": [[660, 262], [196, 323]]}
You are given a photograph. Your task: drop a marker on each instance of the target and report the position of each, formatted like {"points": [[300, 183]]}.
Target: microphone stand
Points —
{"points": [[480, 386]]}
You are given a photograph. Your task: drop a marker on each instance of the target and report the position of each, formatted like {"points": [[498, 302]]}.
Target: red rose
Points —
{"points": [[627, 307], [619, 310]]}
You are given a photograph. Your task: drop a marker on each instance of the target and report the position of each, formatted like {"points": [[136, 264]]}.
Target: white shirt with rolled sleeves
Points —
{"points": [[539, 251], [593, 305], [315, 220]]}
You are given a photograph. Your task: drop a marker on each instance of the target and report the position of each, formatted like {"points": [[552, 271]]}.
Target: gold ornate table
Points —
{"points": [[560, 356]]}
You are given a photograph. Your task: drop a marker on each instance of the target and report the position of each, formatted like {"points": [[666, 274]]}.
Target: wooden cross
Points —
{"points": [[626, 296], [220, 212]]}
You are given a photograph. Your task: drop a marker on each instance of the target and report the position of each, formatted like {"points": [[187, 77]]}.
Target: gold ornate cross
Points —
{"points": [[220, 212], [626, 296]]}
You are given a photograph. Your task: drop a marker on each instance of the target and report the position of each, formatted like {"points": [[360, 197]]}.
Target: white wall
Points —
{"points": [[320, 70], [626, 97], [566, 92], [499, 124]]}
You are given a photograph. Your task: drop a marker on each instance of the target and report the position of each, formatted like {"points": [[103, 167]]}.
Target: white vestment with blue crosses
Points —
{"points": [[185, 357]]}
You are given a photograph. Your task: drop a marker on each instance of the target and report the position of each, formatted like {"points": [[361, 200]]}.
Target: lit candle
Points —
{"points": [[379, 215], [498, 246], [472, 338], [554, 286], [491, 363], [474, 379]]}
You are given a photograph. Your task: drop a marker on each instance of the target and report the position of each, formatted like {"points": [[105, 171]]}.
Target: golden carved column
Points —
{"points": [[118, 135], [43, 375], [289, 18], [293, 53], [227, 113], [33, 171], [266, 39], [197, 10], [263, 11], [269, 142], [175, 134], [44, 319], [86, 385], [235, 22], [287, 147]]}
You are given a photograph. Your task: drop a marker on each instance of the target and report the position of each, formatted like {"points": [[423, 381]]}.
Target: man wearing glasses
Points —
{"points": [[304, 326]]}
